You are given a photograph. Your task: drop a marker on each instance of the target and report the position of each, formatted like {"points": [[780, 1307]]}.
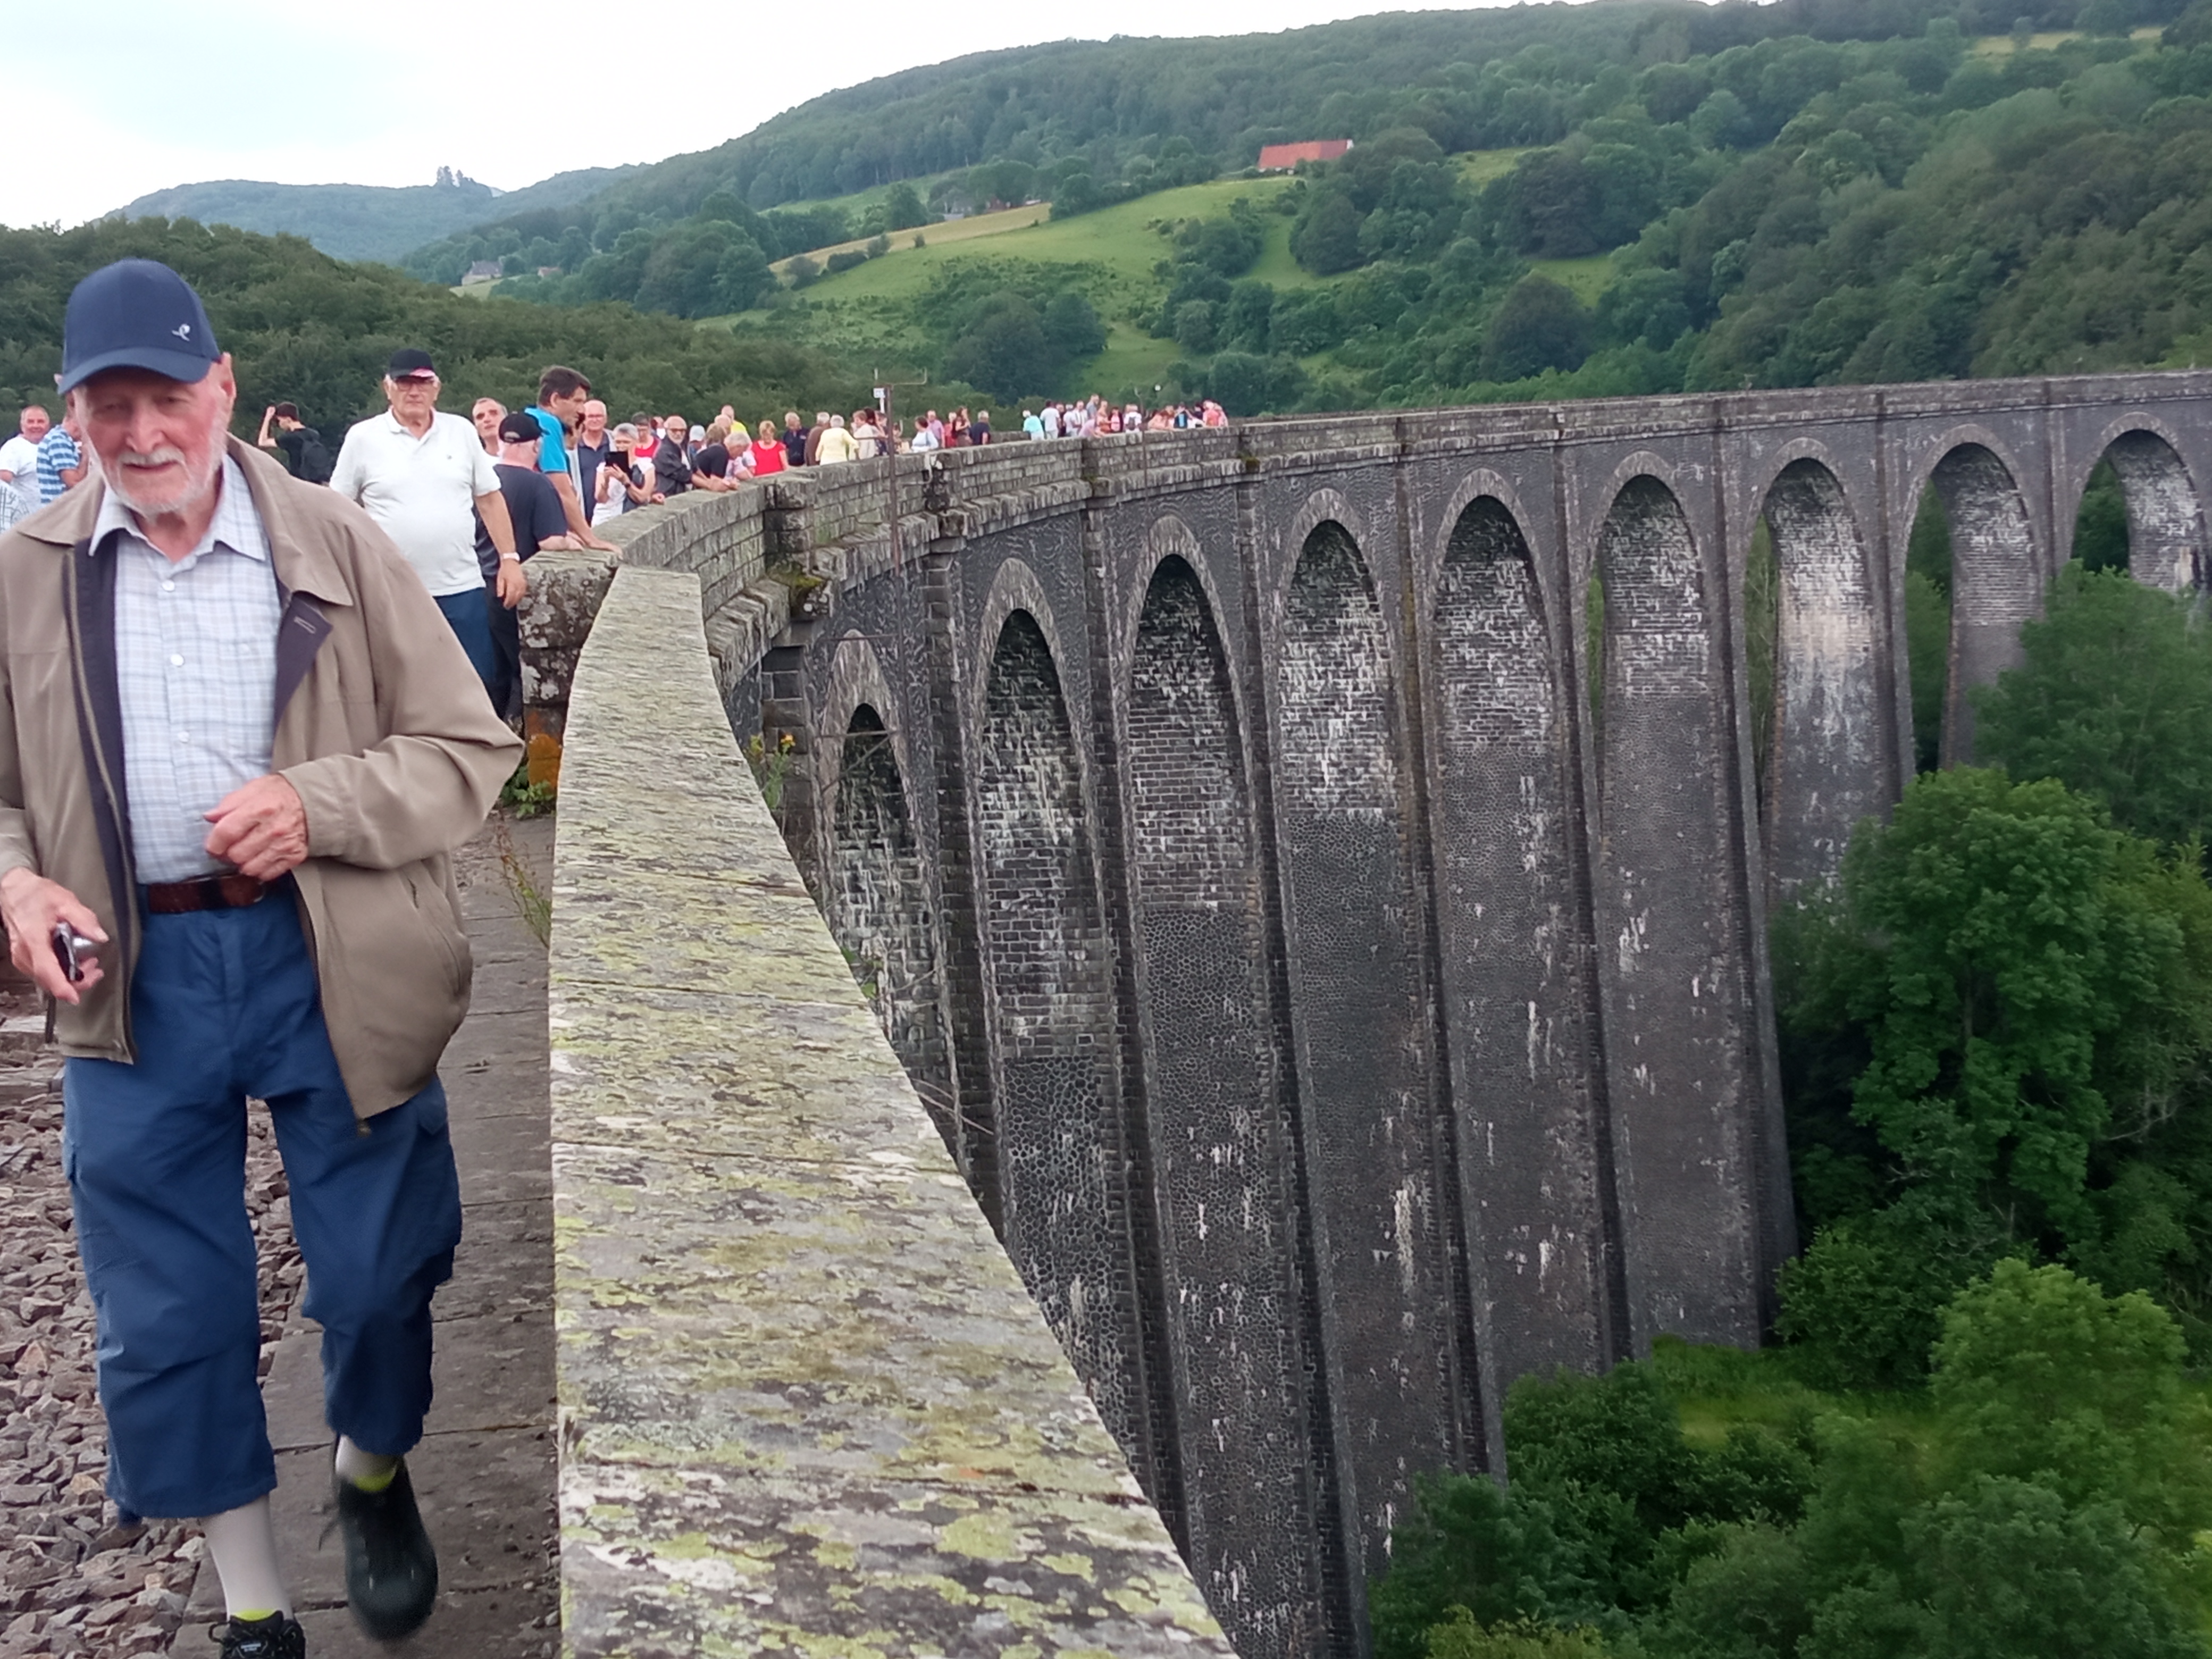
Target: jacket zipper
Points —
{"points": [[126, 901]]}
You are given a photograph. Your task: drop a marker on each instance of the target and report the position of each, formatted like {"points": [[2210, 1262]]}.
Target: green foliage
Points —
{"points": [[2042, 1498], [902, 208], [2022, 996], [304, 328], [1541, 325], [2044, 1378], [1460, 1637], [2113, 697]]}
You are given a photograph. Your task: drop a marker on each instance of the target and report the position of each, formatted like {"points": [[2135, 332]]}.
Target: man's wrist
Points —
{"points": [[510, 558]]}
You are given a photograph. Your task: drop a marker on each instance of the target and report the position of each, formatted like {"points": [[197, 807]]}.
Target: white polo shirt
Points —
{"points": [[423, 491]]}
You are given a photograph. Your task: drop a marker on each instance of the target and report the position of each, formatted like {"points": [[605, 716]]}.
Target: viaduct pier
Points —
{"points": [[1298, 892]]}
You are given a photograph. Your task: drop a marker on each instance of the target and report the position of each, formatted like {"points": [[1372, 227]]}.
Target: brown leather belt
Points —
{"points": [[177, 898]]}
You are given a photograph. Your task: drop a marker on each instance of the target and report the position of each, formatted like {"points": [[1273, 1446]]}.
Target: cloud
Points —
{"points": [[170, 94]]}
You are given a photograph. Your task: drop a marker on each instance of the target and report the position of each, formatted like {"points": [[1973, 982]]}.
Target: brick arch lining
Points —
{"points": [[1669, 932], [1355, 948], [1515, 979], [1217, 1158], [2165, 520], [1996, 581], [879, 909], [1049, 985], [1831, 764]]}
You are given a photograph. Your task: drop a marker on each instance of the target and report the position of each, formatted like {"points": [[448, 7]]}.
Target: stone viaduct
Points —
{"points": [[1315, 873]]}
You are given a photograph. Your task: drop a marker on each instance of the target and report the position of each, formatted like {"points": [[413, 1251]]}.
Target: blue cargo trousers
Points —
{"points": [[224, 1005]]}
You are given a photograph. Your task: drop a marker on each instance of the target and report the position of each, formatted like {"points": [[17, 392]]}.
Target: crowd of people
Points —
{"points": [[470, 514]]}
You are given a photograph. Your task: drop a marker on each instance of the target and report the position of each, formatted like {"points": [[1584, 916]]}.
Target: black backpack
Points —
{"points": [[316, 463]]}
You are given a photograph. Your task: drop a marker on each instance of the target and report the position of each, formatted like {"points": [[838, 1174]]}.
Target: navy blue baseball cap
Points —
{"points": [[135, 313]]}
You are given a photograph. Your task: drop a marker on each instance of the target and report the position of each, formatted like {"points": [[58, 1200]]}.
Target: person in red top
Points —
{"points": [[768, 449]]}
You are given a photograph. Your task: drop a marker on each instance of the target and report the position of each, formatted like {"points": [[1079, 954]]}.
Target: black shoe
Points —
{"points": [[276, 1637], [392, 1572]]}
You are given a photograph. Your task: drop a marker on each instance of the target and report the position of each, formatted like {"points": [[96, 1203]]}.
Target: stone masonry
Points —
{"points": [[1316, 874]]}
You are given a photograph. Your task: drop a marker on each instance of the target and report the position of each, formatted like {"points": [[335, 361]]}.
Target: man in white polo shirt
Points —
{"points": [[423, 476]]}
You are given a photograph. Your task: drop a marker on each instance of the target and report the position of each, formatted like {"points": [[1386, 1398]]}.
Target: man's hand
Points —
{"points": [[513, 583], [261, 828], [31, 906]]}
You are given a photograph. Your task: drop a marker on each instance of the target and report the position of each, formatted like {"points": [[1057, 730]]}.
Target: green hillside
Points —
{"points": [[363, 222]]}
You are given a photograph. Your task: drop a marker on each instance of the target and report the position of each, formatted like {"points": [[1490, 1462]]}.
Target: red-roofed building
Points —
{"points": [[1281, 158]]}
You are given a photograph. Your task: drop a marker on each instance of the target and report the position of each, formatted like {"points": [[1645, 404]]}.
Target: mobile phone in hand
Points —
{"points": [[71, 948]]}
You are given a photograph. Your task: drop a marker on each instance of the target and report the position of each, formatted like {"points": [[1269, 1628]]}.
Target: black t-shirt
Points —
{"points": [[672, 469], [794, 446], [713, 459], [535, 510], [306, 453], [590, 457]]}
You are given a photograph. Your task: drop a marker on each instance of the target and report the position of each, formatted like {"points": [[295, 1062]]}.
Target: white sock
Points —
{"points": [[243, 1544], [364, 1469]]}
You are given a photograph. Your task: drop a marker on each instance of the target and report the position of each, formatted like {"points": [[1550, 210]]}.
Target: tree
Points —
{"points": [[1073, 326], [1195, 324], [902, 208], [1005, 351], [2113, 697], [2045, 1377], [1325, 239], [1541, 325], [1077, 193]]}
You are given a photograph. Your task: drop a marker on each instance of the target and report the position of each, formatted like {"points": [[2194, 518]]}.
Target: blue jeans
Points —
{"points": [[471, 624], [224, 1005]]}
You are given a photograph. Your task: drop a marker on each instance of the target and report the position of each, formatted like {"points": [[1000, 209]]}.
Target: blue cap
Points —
{"points": [[135, 313]]}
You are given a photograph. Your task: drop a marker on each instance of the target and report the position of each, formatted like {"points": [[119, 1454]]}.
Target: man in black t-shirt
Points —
{"points": [[540, 522], [304, 453]]}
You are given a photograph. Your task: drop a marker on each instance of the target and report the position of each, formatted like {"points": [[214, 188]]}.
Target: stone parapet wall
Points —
{"points": [[807, 1406]]}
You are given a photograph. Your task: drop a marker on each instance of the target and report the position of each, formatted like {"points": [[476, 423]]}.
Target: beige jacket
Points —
{"points": [[382, 727]]}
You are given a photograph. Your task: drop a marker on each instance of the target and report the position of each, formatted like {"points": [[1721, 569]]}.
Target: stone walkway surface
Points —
{"points": [[484, 1472]]}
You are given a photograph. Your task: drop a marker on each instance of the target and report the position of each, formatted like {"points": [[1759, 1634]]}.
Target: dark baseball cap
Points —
{"points": [[135, 313], [520, 429], [408, 360]]}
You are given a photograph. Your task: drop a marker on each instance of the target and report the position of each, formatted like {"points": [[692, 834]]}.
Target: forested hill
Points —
{"points": [[1104, 103], [364, 221]]}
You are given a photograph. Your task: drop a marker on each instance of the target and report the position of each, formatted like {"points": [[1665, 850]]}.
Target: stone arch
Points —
{"points": [[1355, 947], [881, 910], [1515, 977], [1048, 990], [1996, 574], [1832, 759], [1216, 1125], [1681, 1100], [2167, 543]]}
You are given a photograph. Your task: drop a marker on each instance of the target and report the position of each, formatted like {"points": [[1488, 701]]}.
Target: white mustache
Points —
{"points": [[168, 455]]}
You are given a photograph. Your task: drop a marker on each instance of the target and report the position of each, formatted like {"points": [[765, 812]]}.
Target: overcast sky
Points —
{"points": [[137, 95]]}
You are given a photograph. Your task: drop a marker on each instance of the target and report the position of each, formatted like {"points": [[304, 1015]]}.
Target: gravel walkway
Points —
{"points": [[71, 1580]]}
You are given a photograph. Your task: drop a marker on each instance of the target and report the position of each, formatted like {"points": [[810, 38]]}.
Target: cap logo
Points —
{"points": [[183, 331]]}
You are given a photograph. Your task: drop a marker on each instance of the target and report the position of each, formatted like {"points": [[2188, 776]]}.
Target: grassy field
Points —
{"points": [[1482, 165], [1585, 278], [2001, 46], [1119, 244], [957, 230]]}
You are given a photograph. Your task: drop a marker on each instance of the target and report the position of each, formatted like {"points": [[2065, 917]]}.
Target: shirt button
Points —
{"points": [[176, 662], [185, 738], [168, 587]]}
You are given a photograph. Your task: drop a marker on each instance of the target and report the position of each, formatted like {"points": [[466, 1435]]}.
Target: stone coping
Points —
{"points": [[806, 1406]]}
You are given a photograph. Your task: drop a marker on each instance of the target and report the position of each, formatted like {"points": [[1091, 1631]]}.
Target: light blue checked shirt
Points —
{"points": [[195, 668]]}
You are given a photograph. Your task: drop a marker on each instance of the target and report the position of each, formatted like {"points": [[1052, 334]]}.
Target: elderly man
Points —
{"points": [[236, 781], [19, 456], [425, 478], [593, 447]]}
